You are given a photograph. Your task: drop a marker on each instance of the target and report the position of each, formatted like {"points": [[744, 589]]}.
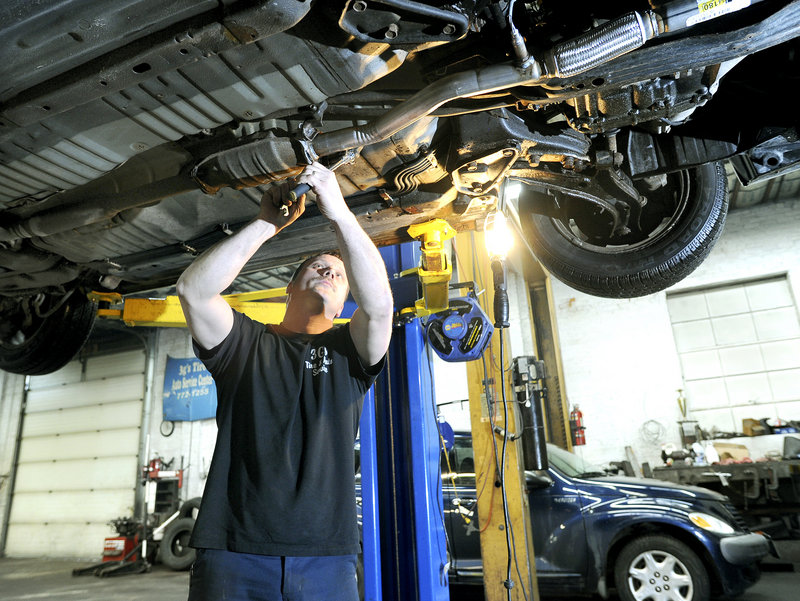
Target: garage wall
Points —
{"points": [[621, 363], [739, 347]]}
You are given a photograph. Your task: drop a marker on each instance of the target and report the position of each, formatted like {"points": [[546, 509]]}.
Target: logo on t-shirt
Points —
{"points": [[319, 360]]}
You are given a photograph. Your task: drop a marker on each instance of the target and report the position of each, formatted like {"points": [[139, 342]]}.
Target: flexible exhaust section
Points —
{"points": [[602, 44]]}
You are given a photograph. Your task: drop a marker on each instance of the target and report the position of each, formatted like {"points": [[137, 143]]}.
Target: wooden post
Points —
{"points": [[487, 410]]}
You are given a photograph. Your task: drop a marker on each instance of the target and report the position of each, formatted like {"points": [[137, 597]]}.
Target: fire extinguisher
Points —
{"points": [[576, 426]]}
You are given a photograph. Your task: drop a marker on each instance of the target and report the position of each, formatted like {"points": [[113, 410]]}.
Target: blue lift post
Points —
{"points": [[370, 520], [407, 489]]}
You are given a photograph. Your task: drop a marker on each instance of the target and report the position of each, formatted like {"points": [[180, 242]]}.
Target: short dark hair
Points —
{"points": [[311, 259]]}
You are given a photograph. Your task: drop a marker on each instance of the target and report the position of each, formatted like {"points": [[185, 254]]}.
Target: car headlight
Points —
{"points": [[710, 523]]}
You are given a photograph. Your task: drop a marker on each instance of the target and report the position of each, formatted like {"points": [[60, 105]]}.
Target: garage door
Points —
{"points": [[739, 347], [78, 457]]}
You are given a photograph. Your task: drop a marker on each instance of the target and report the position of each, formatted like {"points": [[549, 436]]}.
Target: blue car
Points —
{"points": [[651, 540]]}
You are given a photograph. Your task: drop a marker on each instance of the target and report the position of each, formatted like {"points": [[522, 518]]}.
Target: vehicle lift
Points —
{"points": [[406, 557]]}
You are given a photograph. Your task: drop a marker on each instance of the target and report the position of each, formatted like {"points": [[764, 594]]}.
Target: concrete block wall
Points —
{"points": [[620, 361]]}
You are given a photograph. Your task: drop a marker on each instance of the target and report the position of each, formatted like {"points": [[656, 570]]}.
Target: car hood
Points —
{"points": [[625, 486]]}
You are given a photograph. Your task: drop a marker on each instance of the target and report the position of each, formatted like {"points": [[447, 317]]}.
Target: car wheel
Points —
{"points": [[40, 335], [660, 568], [174, 548], [680, 223]]}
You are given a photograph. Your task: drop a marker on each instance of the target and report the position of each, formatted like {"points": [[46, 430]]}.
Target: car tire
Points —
{"points": [[174, 548], [49, 343], [679, 240], [660, 567]]}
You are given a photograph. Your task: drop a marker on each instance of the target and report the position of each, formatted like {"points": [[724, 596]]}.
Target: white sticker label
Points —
{"points": [[711, 9]]}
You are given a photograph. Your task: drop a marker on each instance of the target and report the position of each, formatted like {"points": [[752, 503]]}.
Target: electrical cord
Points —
{"points": [[511, 552], [443, 557], [501, 307], [509, 526]]}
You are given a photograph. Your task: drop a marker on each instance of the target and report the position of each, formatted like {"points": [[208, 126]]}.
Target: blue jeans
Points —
{"points": [[218, 575]]}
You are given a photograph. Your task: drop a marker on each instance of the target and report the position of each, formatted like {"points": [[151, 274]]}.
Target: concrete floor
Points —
{"points": [[52, 580], [48, 579]]}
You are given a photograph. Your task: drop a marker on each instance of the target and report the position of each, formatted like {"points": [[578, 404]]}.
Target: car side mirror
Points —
{"points": [[538, 479]]}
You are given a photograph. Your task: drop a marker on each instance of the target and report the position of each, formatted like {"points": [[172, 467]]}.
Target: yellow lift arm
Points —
{"points": [[434, 275], [167, 312]]}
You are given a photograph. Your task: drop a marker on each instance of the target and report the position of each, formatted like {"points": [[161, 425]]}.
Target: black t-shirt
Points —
{"points": [[281, 480]]}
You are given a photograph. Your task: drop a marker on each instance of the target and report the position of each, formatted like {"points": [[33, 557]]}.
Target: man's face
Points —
{"points": [[324, 275]]}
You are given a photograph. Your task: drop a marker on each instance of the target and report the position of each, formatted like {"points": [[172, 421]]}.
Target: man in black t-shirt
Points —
{"points": [[278, 517]]}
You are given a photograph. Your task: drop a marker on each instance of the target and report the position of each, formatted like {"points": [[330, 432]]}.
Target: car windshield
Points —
{"points": [[571, 464]]}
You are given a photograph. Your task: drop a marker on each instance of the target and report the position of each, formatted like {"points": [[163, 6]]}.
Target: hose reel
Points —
{"points": [[461, 332]]}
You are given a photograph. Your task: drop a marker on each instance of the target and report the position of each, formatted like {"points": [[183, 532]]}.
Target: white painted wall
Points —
{"points": [[620, 361]]}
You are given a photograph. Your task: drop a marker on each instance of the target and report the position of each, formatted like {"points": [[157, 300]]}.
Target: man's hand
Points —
{"points": [[200, 287], [271, 203], [371, 325], [329, 197]]}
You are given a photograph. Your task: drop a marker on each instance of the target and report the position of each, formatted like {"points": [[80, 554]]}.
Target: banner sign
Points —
{"points": [[189, 391]]}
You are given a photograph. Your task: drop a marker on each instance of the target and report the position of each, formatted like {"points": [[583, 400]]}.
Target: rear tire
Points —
{"points": [[660, 568], [47, 344], [685, 220]]}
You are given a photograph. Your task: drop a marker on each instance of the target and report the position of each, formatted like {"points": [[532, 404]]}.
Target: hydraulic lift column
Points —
{"points": [[412, 544]]}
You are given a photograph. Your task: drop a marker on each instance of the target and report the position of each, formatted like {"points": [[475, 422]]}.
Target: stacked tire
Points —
{"points": [[174, 549]]}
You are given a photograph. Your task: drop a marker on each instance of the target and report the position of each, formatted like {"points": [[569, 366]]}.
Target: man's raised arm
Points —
{"points": [[199, 288], [371, 325]]}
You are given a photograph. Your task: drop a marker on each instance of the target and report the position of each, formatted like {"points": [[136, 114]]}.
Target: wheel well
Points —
{"points": [[635, 531]]}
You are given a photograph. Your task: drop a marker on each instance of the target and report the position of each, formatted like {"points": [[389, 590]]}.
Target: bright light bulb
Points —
{"points": [[498, 236]]}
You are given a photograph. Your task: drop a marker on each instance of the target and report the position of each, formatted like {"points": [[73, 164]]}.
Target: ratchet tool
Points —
{"points": [[348, 157]]}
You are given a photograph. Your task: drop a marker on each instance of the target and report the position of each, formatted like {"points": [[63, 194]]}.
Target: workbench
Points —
{"points": [[766, 493]]}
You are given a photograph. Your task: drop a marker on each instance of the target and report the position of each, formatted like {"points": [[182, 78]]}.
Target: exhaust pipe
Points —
{"points": [[93, 209], [602, 44], [424, 102], [569, 58]]}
